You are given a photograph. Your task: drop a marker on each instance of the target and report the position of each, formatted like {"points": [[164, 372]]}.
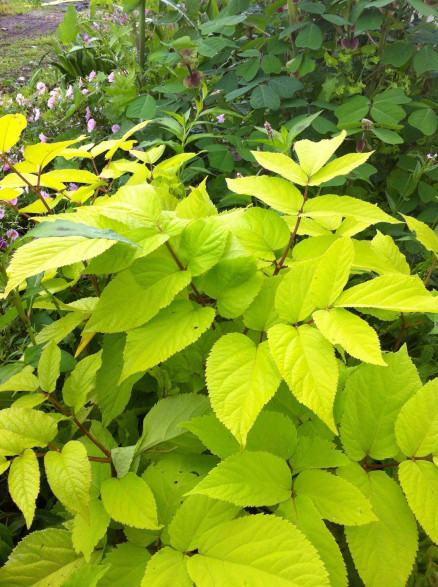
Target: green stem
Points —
{"points": [[16, 300], [142, 35]]}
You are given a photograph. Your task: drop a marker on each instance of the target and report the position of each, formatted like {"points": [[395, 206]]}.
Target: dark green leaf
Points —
{"points": [[67, 228]]}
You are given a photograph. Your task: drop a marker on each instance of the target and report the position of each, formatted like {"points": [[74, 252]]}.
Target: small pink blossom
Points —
{"points": [[41, 87], [42, 138], [51, 102], [106, 27], [87, 113], [12, 235], [73, 187], [92, 76], [2, 213], [220, 118], [184, 6], [122, 20], [115, 128], [86, 38], [91, 125], [85, 91], [20, 99], [6, 167], [37, 113], [69, 92], [111, 77], [13, 202]]}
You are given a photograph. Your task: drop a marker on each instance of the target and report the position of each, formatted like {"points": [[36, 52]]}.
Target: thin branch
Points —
{"points": [[432, 267], [400, 336]]}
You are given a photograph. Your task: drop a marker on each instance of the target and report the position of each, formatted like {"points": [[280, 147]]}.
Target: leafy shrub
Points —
{"points": [[212, 403]]}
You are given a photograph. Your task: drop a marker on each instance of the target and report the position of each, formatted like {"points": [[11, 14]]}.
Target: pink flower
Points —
{"points": [[41, 87], [92, 76], [80, 83], [115, 128], [6, 167], [111, 77], [44, 194], [91, 125], [85, 37], [85, 92], [37, 114], [12, 235], [13, 202], [146, 12], [2, 213], [87, 113], [69, 92], [184, 6], [20, 99], [42, 138], [106, 27], [220, 118], [122, 20], [51, 102], [73, 187]]}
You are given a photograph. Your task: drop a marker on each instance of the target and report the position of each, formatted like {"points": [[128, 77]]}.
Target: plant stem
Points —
{"points": [[142, 35], [294, 233], [432, 267], [400, 336], [385, 465]]}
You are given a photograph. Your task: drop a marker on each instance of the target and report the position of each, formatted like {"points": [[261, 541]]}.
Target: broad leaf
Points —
{"points": [[332, 272], [293, 300], [313, 156], [416, 428], [23, 381], [383, 551], [306, 361], [262, 314], [284, 166], [248, 479], [335, 498], [313, 452], [22, 428], [419, 481], [169, 332], [201, 246], [339, 326], [330, 205], [128, 565], [24, 483], [167, 567], [64, 228], [241, 378], [257, 550], [69, 476], [274, 191], [11, 127], [86, 535], [374, 397], [81, 381], [48, 367], [424, 233], [130, 501]]}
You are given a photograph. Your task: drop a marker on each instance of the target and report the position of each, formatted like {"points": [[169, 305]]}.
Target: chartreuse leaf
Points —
{"points": [[341, 166], [335, 498], [197, 515], [416, 427], [48, 367], [248, 479], [64, 228], [202, 245], [149, 285], [332, 272], [86, 535], [89, 575], [130, 501], [161, 423], [284, 166], [69, 476], [24, 483], [59, 329], [347, 207], [374, 397], [307, 363], [304, 515], [273, 191], [313, 452], [261, 232], [257, 550], [383, 551], [312, 156], [50, 253], [23, 381], [419, 481], [169, 332], [11, 127], [128, 565], [293, 301], [81, 381], [22, 428], [424, 233], [262, 314], [339, 326], [42, 558], [167, 567], [41, 154], [273, 432], [233, 283], [401, 293], [241, 378], [386, 248], [197, 204], [213, 434]]}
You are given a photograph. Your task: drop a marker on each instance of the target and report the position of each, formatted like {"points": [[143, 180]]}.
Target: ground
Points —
{"points": [[26, 39]]}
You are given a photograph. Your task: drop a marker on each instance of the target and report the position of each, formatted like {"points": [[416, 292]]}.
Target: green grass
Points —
{"points": [[11, 7], [22, 56]]}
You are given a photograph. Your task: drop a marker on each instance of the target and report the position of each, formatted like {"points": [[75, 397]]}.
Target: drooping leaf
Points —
{"points": [[424, 233], [419, 481], [374, 397], [257, 550], [357, 337], [48, 367], [64, 228], [261, 314], [347, 207], [69, 476], [213, 434], [169, 332], [11, 127], [201, 246], [383, 551], [166, 567], [284, 166], [22, 381], [81, 381], [130, 501], [416, 427], [248, 479], [86, 535], [128, 565], [335, 498], [293, 300], [332, 273], [273, 432], [307, 363], [241, 378], [24, 483]]}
